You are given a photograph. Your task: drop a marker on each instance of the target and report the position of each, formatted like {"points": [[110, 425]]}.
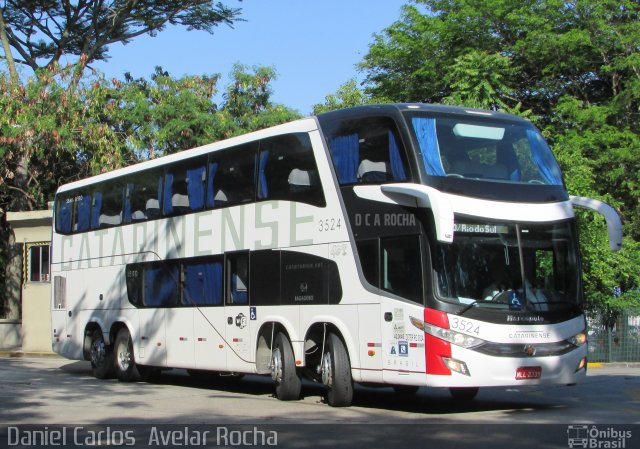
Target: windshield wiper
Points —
{"points": [[467, 307]]}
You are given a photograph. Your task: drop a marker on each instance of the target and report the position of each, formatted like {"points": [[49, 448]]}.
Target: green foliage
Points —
{"points": [[347, 95], [571, 67], [40, 33]]}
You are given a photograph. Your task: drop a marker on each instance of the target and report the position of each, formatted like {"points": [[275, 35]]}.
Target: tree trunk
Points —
{"points": [[11, 64]]}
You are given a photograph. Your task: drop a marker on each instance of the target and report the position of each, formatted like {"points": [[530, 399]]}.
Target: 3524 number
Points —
{"points": [[329, 224]]}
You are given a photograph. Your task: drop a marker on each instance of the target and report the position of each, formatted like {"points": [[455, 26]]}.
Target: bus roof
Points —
{"points": [[393, 108], [301, 125]]}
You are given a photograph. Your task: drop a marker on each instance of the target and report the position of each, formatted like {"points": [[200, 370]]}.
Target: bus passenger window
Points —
{"points": [[82, 212], [366, 151], [142, 197], [238, 278], [160, 285], [202, 282], [106, 208], [184, 187], [231, 178], [64, 214], [287, 170]]}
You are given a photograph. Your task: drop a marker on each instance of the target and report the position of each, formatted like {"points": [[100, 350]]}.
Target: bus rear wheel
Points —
{"points": [[101, 356], [126, 369], [336, 372], [283, 370]]}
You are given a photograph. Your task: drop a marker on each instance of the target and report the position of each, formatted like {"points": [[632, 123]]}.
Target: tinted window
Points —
{"points": [[184, 187], [142, 196], [309, 279], [160, 285], [368, 253], [202, 282], [401, 265], [107, 206], [265, 277], [64, 214], [238, 278], [231, 178], [367, 151], [287, 170]]}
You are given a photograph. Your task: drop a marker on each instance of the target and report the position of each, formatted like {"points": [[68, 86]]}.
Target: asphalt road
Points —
{"points": [[62, 395]]}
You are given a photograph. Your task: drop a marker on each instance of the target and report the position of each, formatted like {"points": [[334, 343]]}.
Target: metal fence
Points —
{"points": [[618, 344]]}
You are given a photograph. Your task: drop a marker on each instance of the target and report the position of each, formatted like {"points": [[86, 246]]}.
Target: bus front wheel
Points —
{"points": [[283, 370], [336, 373], [126, 369], [101, 356]]}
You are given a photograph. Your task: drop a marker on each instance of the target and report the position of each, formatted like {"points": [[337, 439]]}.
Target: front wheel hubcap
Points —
{"points": [[276, 365]]}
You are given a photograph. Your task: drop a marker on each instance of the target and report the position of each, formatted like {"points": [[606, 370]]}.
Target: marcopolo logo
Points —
{"points": [[597, 437]]}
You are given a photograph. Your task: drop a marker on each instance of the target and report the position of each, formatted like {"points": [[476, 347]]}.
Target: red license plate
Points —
{"points": [[529, 372]]}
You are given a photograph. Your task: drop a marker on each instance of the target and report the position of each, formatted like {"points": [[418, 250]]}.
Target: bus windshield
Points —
{"points": [[509, 266], [478, 148]]}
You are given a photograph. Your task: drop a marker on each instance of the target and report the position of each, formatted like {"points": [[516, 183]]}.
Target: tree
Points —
{"points": [[42, 31], [105, 124], [347, 95], [571, 67]]}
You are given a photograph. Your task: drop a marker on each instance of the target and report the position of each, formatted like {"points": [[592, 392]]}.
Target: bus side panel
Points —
{"points": [[151, 340], [403, 344], [370, 342]]}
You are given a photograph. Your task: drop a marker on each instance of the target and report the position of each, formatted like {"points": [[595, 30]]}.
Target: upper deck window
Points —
{"points": [[366, 150], [484, 149]]}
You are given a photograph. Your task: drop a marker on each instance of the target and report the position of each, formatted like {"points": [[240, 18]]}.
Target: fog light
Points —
{"points": [[457, 366]]}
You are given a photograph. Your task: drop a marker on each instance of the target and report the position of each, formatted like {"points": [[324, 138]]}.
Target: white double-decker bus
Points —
{"points": [[407, 245]]}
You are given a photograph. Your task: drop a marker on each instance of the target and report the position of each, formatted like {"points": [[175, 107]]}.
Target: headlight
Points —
{"points": [[456, 338], [578, 339]]}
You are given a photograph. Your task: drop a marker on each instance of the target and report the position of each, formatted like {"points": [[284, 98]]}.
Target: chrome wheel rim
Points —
{"points": [[124, 357], [276, 365], [98, 351], [327, 374]]}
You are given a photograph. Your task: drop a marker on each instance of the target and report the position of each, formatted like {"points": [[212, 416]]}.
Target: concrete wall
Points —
{"points": [[10, 334]]}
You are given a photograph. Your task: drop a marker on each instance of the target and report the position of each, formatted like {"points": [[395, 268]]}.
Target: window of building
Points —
{"points": [[38, 262]]}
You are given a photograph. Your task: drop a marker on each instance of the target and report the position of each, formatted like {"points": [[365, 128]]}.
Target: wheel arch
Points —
{"points": [[264, 342], [316, 332]]}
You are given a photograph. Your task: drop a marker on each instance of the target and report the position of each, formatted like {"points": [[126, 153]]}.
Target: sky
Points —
{"points": [[314, 46]]}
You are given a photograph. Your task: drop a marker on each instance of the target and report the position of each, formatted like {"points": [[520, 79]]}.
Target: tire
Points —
{"points": [[336, 373], [464, 393], [101, 356], [283, 370], [126, 369]]}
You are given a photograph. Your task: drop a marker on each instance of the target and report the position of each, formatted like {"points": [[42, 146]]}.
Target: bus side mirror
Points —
{"points": [[614, 224], [430, 198]]}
